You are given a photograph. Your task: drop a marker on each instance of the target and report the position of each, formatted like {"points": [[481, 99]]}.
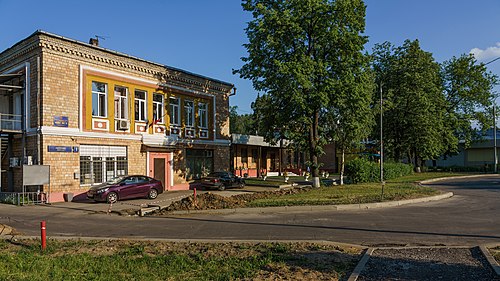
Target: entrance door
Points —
{"points": [[159, 170]]}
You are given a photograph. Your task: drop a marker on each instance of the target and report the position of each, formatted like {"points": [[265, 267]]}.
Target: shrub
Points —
{"points": [[361, 170]]}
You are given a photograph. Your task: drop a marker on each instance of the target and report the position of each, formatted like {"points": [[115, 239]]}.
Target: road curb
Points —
{"points": [[491, 260], [453, 178], [361, 265], [347, 207]]}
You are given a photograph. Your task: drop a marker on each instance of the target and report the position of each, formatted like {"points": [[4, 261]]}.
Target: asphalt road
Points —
{"points": [[471, 217]]}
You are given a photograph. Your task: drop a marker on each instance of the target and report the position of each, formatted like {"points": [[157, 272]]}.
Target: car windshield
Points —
{"points": [[115, 180]]}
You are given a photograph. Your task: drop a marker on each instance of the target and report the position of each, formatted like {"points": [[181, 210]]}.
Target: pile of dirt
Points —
{"points": [[210, 201]]}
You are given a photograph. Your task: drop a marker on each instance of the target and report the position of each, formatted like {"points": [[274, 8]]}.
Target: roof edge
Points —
{"points": [[42, 32]]}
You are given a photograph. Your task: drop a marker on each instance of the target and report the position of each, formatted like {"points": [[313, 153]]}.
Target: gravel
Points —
{"points": [[428, 264]]}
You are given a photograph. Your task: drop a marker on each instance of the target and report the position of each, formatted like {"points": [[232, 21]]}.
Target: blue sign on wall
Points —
{"points": [[54, 148], [60, 121]]}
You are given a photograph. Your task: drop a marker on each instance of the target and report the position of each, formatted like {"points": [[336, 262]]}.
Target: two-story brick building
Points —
{"points": [[92, 113]]}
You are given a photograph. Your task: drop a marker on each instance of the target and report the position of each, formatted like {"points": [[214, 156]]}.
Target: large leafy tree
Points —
{"points": [[429, 107], [468, 89], [241, 124], [299, 53], [414, 111]]}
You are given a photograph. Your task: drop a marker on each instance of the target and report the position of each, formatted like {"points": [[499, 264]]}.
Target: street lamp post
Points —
{"points": [[381, 142], [495, 169]]}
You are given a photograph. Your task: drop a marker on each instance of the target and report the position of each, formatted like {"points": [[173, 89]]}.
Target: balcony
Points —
{"points": [[10, 123]]}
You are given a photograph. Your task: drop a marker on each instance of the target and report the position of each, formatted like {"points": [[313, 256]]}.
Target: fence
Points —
{"points": [[10, 122], [26, 198]]}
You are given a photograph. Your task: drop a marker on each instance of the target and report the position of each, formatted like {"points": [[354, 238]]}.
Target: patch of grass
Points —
{"points": [[260, 182], [348, 194], [495, 252], [425, 176], [126, 260]]}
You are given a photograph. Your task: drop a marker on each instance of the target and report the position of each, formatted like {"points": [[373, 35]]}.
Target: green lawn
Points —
{"points": [[398, 189], [148, 260], [425, 176]]}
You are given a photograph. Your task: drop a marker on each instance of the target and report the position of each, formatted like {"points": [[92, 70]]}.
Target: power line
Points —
{"points": [[492, 61]]}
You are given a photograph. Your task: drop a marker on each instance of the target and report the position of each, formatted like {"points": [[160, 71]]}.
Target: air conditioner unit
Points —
{"points": [[123, 125]]}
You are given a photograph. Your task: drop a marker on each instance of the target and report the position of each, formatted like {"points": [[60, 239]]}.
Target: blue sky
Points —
{"points": [[206, 36]]}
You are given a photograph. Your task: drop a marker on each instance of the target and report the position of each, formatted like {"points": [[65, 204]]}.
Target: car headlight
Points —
{"points": [[99, 191]]}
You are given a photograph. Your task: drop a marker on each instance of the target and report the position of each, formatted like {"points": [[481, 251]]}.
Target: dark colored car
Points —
{"points": [[125, 187], [221, 181]]}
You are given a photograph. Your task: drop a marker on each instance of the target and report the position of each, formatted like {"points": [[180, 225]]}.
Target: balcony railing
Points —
{"points": [[10, 122]]}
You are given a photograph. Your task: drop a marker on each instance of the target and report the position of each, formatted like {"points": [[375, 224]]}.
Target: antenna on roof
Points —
{"points": [[95, 41]]}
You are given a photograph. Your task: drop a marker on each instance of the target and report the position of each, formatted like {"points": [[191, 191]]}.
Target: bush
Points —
{"points": [[361, 170]]}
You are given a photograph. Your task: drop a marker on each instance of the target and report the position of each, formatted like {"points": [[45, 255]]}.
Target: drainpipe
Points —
{"points": [[39, 127]]}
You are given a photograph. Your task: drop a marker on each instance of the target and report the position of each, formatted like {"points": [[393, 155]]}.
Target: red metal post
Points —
{"points": [[44, 235]]}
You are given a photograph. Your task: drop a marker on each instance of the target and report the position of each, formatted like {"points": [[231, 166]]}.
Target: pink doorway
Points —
{"points": [[160, 164]]}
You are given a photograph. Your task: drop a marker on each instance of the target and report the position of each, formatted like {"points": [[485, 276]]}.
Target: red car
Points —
{"points": [[125, 187]]}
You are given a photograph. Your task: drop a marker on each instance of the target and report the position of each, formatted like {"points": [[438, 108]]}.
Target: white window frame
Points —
{"points": [[99, 94], [189, 113], [203, 115], [122, 102], [159, 108], [140, 105], [175, 113]]}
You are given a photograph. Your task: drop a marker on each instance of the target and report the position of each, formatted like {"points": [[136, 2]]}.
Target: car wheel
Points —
{"points": [[242, 185], [112, 197], [221, 187], [153, 193]]}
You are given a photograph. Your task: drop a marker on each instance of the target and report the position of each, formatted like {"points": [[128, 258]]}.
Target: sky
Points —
{"points": [[206, 36]]}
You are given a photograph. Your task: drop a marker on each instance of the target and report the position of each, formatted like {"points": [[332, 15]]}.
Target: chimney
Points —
{"points": [[94, 41]]}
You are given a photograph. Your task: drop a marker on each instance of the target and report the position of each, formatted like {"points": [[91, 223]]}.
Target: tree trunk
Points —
{"points": [[342, 166], [313, 151]]}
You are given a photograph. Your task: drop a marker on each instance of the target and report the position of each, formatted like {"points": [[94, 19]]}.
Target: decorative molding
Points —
{"points": [[100, 124], [75, 132]]}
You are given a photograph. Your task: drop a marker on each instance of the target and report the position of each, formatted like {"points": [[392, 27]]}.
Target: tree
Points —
{"points": [[299, 53], [240, 124], [414, 110], [429, 107], [468, 89]]}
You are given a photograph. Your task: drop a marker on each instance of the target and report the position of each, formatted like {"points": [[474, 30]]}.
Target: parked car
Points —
{"points": [[125, 187], [221, 181]]}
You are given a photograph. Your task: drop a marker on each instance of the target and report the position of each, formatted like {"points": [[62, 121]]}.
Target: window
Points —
{"points": [[189, 113], [255, 155], [203, 115], [101, 163], [244, 155], [121, 103], [174, 111], [158, 108], [140, 106], [99, 98], [199, 163]]}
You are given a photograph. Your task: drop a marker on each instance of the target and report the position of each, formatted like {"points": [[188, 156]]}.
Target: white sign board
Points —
{"points": [[36, 174]]}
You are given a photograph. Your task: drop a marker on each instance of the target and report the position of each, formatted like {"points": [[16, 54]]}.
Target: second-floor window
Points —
{"points": [[140, 106], [174, 112], [121, 103], [158, 108], [203, 115], [189, 113], [99, 99]]}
